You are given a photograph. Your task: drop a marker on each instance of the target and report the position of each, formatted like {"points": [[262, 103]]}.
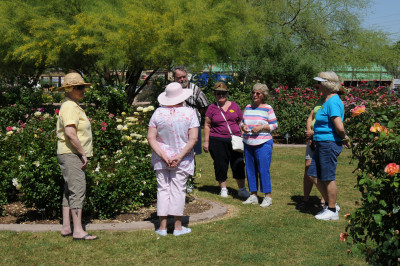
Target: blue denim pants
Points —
{"points": [[324, 161], [258, 161]]}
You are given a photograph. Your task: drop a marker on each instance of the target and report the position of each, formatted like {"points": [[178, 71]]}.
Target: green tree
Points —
{"points": [[307, 36], [118, 39]]}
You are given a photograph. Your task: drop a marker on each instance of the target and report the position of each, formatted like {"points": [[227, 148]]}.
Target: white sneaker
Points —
{"points": [[243, 193], [224, 192], [161, 232], [266, 202], [327, 215], [182, 232], [251, 200], [326, 207]]}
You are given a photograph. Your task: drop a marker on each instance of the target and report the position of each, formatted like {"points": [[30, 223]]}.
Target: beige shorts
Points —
{"points": [[75, 180]]}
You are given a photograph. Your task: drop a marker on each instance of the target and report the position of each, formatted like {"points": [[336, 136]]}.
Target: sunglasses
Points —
{"points": [[221, 93], [256, 92], [80, 87]]}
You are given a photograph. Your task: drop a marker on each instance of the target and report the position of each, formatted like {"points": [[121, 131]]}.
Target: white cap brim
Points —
{"points": [[164, 100], [320, 79]]}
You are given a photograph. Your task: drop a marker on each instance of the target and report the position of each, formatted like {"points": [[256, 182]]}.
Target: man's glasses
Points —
{"points": [[221, 93]]}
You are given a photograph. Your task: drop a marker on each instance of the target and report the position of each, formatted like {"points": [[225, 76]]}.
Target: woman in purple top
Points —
{"points": [[217, 139]]}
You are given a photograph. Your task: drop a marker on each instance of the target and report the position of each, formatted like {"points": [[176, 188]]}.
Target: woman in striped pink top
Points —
{"points": [[259, 121]]}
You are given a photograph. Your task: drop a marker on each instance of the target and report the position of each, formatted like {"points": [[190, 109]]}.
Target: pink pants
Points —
{"points": [[171, 192]]}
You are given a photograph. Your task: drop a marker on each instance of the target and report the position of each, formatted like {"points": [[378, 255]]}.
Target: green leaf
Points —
{"points": [[377, 218]]}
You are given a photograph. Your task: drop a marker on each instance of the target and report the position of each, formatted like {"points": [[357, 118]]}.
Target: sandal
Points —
{"points": [[86, 237]]}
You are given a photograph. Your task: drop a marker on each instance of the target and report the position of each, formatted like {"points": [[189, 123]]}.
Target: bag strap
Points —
{"points": [[230, 131]]}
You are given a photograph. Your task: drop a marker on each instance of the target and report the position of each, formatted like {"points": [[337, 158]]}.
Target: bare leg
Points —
{"points": [[66, 225], [307, 183], [77, 220], [322, 189], [222, 184], [268, 195], [240, 183], [163, 222], [178, 223], [315, 180], [332, 193]]}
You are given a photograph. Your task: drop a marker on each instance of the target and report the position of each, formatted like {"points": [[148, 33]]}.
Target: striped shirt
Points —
{"points": [[255, 116], [197, 100]]}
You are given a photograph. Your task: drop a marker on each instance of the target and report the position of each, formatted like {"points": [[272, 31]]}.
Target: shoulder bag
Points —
{"points": [[237, 142]]}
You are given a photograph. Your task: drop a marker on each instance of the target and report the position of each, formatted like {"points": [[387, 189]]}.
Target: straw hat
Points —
{"points": [[73, 79], [174, 94], [220, 86]]}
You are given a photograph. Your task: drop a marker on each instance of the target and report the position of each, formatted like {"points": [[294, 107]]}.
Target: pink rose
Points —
{"points": [[392, 169]]}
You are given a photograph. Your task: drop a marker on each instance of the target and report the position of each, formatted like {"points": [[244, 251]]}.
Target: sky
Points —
{"points": [[384, 15]]}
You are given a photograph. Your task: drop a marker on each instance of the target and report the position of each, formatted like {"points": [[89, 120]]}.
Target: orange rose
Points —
{"points": [[357, 110], [378, 128], [392, 169]]}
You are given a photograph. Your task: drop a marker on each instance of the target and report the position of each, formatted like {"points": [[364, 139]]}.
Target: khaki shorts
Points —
{"points": [[75, 180]]}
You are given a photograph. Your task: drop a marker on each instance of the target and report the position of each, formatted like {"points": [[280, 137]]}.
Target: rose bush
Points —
{"points": [[373, 125], [119, 176], [291, 105]]}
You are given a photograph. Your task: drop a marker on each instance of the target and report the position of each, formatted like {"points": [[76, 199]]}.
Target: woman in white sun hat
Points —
{"points": [[172, 135]]}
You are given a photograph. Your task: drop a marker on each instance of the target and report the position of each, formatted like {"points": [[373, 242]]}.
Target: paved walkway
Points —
{"points": [[290, 145], [217, 210]]}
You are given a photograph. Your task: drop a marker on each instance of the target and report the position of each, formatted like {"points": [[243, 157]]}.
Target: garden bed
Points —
{"points": [[17, 213]]}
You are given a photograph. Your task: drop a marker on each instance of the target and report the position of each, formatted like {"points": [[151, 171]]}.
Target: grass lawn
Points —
{"points": [[279, 234]]}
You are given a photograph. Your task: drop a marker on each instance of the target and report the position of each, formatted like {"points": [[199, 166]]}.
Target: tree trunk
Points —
{"points": [[133, 77]]}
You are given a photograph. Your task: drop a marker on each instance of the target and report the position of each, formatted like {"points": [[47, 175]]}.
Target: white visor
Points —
{"points": [[320, 79]]}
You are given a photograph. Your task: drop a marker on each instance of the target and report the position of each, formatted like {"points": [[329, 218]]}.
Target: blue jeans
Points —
{"points": [[198, 147], [324, 161], [258, 161]]}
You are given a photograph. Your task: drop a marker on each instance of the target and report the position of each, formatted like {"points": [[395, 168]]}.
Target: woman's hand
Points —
{"points": [[84, 161], [257, 129], [245, 128], [175, 161], [346, 142], [309, 134], [205, 146], [166, 159]]}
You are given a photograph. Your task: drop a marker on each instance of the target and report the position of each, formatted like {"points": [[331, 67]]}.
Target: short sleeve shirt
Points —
{"points": [[197, 100], [72, 114], [219, 127], [173, 124], [324, 129], [317, 106]]}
